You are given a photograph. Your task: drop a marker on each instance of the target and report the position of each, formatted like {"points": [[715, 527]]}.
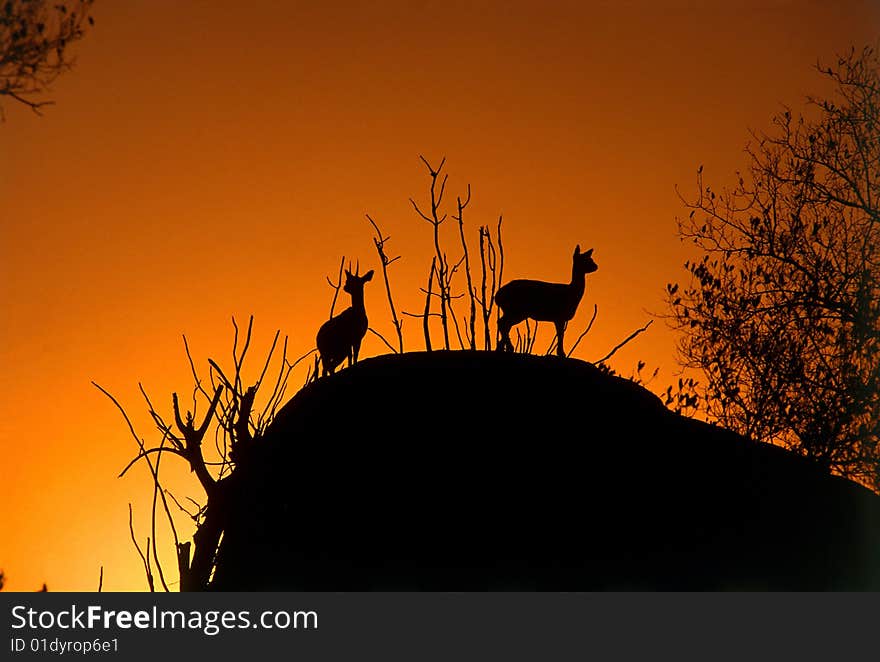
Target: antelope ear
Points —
{"points": [[589, 252], [577, 250], [368, 276]]}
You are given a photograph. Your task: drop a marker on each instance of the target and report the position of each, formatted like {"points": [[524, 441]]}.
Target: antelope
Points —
{"points": [[543, 302], [340, 337]]}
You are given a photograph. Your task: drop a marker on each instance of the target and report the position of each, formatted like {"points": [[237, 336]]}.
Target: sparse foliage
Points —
{"points": [[683, 398], [782, 312], [35, 38]]}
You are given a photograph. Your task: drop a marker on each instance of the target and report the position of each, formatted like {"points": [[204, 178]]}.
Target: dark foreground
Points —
{"points": [[480, 471]]}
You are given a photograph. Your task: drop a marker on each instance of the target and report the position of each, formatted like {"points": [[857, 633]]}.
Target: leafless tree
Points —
{"points": [[236, 424]]}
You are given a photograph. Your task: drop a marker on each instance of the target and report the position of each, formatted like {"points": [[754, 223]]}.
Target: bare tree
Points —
{"points": [[782, 312], [443, 271], [441, 263], [235, 423], [35, 36]]}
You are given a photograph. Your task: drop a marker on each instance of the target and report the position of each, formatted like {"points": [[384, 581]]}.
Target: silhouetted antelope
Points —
{"points": [[543, 302], [340, 337]]}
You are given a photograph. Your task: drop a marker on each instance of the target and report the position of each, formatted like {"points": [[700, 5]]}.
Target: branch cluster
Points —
{"points": [[234, 423], [34, 40], [442, 272], [782, 309]]}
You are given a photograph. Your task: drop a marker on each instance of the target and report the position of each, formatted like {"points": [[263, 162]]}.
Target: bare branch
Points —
{"points": [[268, 358], [462, 205], [379, 241], [144, 559], [585, 331], [382, 338], [625, 341], [137, 439], [150, 451], [336, 286], [190, 514]]}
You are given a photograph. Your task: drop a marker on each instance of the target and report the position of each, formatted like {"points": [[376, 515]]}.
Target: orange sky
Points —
{"points": [[206, 159]]}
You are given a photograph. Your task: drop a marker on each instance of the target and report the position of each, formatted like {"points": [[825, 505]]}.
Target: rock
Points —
{"points": [[493, 471]]}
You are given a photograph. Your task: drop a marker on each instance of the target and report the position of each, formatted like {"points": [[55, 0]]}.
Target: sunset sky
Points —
{"points": [[210, 159]]}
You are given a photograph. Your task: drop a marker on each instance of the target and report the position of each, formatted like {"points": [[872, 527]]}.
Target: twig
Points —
{"points": [[150, 451], [440, 259], [193, 516], [425, 326], [161, 425], [281, 387], [427, 314], [500, 251], [157, 490], [382, 338], [238, 361], [198, 382], [35, 106], [437, 294], [379, 241], [269, 357], [137, 439], [491, 266], [144, 559], [628, 338], [487, 342], [228, 384], [585, 332], [336, 286], [282, 377], [472, 340]]}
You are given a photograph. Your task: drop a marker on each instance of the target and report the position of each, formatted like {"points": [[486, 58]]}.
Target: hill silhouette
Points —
{"points": [[477, 470]]}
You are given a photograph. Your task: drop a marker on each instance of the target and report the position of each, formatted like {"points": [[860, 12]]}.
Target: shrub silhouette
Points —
{"points": [[782, 312]]}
